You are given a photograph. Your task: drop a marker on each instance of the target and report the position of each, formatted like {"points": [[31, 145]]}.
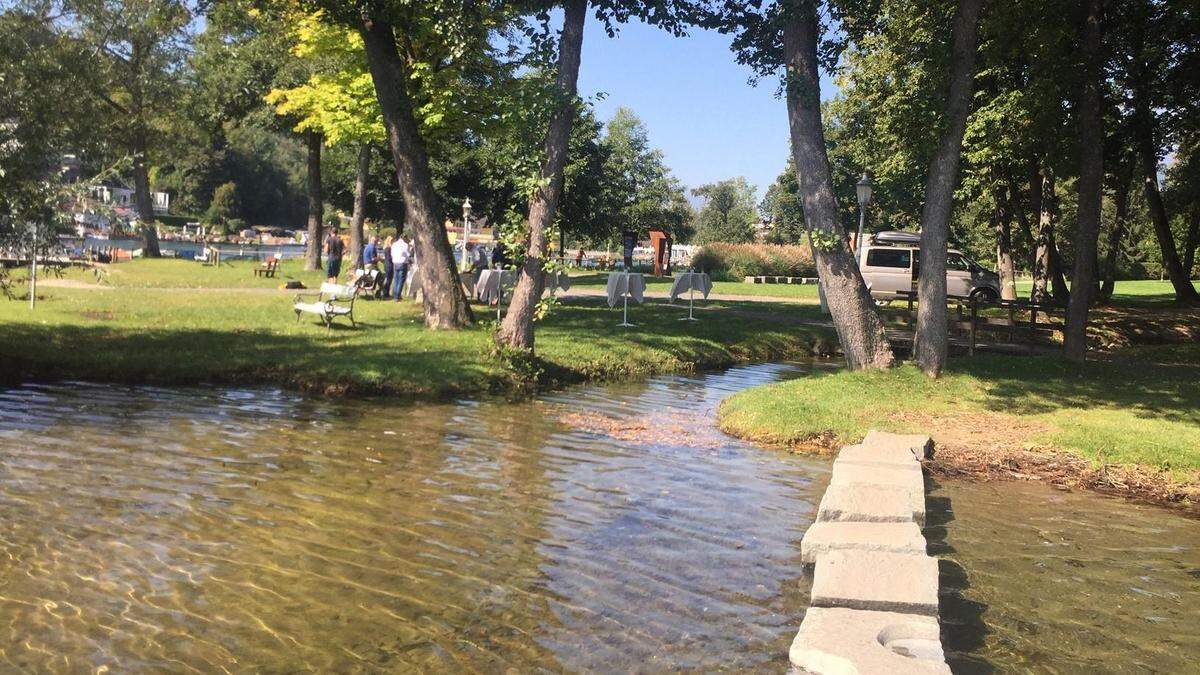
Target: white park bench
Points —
{"points": [[332, 301]]}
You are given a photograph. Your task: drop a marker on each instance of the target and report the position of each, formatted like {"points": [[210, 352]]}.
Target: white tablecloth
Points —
{"points": [[688, 281], [492, 284], [412, 284], [558, 281], [625, 283]]}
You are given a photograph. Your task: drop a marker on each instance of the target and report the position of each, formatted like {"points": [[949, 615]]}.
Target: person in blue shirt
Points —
{"points": [[371, 252]]}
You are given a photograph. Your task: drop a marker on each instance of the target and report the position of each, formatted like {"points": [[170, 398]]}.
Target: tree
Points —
{"points": [[783, 208], [516, 331], [138, 47], [930, 340], [225, 205], [645, 194], [338, 104], [1156, 37], [787, 34], [728, 213], [1091, 175], [445, 301]]}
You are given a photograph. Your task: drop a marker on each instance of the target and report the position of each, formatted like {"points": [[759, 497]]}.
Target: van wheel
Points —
{"points": [[985, 295]]}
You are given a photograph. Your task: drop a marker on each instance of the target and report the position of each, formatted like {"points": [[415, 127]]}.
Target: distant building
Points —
{"points": [[117, 195]]}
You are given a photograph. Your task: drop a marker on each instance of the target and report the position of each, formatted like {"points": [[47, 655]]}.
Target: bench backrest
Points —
{"points": [[339, 291]]}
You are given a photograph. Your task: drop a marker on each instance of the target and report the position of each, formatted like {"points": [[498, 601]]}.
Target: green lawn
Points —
{"points": [[1142, 407], [1140, 292], [663, 284], [172, 273], [1133, 292], [142, 326]]}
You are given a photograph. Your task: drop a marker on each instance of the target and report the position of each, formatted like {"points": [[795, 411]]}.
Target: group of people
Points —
{"points": [[397, 255]]}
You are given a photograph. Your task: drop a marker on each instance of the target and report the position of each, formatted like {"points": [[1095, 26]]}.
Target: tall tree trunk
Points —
{"points": [[360, 206], [1191, 241], [1044, 239], [1109, 282], [144, 201], [316, 204], [1148, 159], [930, 342], [1004, 259], [445, 301], [517, 329], [858, 326], [1091, 172]]}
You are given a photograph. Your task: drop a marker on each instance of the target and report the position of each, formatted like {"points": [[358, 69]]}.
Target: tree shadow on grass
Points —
{"points": [[1030, 385]]}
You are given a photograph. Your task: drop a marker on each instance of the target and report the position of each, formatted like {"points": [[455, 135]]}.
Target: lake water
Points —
{"points": [[602, 528]]}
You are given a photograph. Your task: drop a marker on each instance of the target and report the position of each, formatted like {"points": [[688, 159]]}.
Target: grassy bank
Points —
{"points": [[142, 325], [1140, 410]]}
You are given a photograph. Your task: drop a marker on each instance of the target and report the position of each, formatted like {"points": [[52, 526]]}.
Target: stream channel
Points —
{"points": [[606, 528]]}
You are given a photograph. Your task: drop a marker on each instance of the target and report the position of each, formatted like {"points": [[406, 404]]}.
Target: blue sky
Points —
{"points": [[694, 99]]}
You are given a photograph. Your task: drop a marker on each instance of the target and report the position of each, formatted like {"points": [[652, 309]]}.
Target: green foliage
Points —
{"points": [[729, 212], [734, 262], [783, 208], [224, 206]]}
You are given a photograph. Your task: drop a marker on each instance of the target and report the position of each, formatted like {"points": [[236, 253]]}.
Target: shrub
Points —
{"points": [[733, 262]]}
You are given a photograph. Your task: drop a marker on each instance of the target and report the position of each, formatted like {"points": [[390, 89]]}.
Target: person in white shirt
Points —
{"points": [[401, 254]]}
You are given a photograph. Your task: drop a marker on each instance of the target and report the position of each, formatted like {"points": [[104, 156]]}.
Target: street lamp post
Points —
{"points": [[466, 231], [863, 188]]}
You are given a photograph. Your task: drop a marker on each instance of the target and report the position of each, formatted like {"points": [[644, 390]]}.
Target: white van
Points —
{"points": [[891, 262]]}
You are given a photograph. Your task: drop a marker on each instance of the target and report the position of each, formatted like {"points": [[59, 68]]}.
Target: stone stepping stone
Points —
{"points": [[887, 455], [823, 537], [851, 473], [876, 581], [872, 504], [848, 641], [920, 445]]}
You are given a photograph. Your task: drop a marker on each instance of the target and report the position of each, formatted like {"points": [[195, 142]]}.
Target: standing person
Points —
{"points": [[479, 258], [385, 254], [401, 254], [499, 256], [579, 258], [334, 249], [371, 253]]}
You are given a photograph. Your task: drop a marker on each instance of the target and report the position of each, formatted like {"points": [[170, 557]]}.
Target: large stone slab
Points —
{"points": [[876, 581], [823, 537], [891, 455], [919, 444], [851, 473], [910, 469], [872, 504], [856, 642]]}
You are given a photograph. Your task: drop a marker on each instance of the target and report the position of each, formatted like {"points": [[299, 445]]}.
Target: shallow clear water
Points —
{"points": [[150, 529], [602, 528], [1035, 579]]}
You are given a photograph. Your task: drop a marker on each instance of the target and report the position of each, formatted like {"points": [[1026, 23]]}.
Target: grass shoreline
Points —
{"points": [[176, 323], [1129, 425]]}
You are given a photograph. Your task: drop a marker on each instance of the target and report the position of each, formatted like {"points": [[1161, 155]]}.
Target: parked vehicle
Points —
{"points": [[890, 262]]}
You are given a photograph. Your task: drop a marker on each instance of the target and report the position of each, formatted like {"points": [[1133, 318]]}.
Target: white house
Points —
{"points": [[123, 196]]}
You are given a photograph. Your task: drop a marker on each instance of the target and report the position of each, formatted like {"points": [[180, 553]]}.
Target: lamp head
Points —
{"points": [[863, 188]]}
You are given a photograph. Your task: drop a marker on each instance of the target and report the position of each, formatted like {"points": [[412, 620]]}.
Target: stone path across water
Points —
{"points": [[875, 588]]}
